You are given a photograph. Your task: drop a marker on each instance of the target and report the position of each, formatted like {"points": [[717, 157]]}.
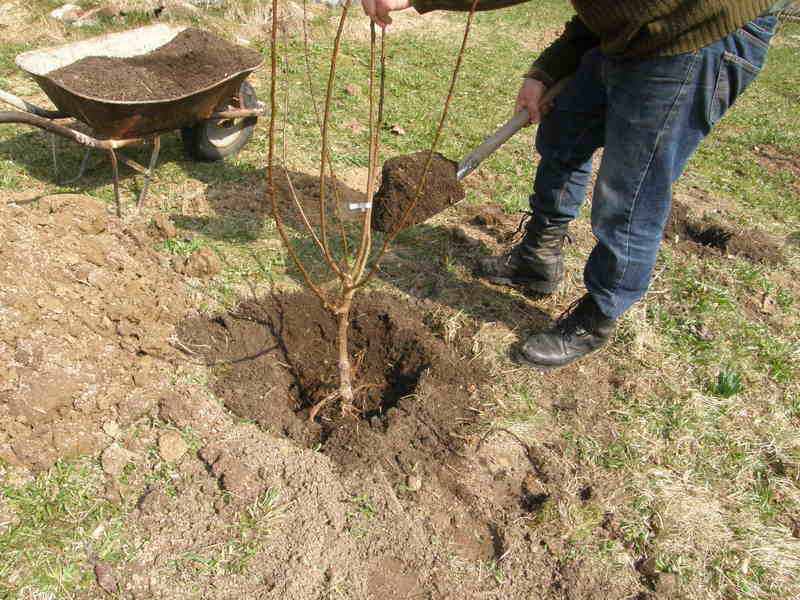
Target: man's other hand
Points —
{"points": [[378, 10], [529, 96]]}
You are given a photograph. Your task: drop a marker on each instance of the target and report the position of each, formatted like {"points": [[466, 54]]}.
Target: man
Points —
{"points": [[649, 81]]}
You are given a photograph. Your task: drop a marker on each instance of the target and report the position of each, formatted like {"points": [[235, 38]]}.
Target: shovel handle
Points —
{"points": [[504, 132]]}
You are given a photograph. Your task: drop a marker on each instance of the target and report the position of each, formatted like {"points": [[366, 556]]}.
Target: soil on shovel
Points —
{"points": [[193, 60], [400, 180]]}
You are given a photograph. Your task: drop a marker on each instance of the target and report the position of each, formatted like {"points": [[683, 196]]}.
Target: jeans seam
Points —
{"points": [[637, 195], [563, 188], [753, 39]]}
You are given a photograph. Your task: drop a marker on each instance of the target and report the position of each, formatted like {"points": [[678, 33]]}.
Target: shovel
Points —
{"points": [[443, 189]]}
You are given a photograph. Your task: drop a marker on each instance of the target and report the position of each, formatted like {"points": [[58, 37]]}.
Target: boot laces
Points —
{"points": [[576, 319], [516, 237]]}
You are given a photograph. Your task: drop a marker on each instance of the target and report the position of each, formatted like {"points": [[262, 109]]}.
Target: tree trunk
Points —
{"points": [[345, 369]]}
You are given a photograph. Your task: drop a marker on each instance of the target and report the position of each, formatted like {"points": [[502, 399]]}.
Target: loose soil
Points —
{"points": [[399, 186], [403, 498], [411, 450], [192, 61], [276, 359], [702, 236]]}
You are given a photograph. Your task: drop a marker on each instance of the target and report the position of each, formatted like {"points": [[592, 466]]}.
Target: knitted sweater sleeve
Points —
{"points": [[423, 6], [562, 57]]}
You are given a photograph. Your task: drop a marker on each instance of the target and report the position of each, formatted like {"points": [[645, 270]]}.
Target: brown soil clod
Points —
{"points": [[400, 180], [193, 60]]}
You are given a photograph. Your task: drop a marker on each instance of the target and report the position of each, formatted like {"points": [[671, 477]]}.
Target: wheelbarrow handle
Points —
{"points": [[504, 132], [21, 104], [66, 132]]}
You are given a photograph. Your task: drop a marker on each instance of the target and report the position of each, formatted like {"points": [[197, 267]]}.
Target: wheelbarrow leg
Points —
{"points": [[115, 171], [150, 168], [54, 154], [56, 170], [84, 163]]}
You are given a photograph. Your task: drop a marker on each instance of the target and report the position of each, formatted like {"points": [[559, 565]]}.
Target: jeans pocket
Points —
{"points": [[735, 74]]}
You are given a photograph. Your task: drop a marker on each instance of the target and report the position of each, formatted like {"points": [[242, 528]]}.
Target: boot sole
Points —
{"points": [[518, 357], [545, 288]]}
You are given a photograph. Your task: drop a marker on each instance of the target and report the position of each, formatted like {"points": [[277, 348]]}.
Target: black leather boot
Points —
{"points": [[582, 329], [533, 265]]}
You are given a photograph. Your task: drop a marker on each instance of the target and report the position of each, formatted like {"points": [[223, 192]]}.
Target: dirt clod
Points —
{"points": [[400, 180]]}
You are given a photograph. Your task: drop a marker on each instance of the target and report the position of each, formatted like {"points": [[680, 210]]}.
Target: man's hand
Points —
{"points": [[378, 10], [529, 96]]}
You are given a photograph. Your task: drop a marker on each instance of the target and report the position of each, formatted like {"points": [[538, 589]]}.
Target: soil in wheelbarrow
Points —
{"points": [[192, 61], [398, 191]]}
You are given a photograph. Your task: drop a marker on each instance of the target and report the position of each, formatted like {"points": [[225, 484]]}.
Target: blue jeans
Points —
{"points": [[649, 115]]}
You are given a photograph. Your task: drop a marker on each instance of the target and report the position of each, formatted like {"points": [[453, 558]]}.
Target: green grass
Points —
{"points": [[62, 521]]}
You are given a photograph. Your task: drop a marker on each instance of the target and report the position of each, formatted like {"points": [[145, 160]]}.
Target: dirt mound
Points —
{"points": [[192, 61], [87, 308]]}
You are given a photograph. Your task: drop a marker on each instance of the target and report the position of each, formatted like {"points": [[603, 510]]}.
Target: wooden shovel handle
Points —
{"points": [[504, 132]]}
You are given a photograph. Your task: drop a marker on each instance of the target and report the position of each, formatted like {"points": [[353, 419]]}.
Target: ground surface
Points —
{"points": [[212, 482], [403, 499]]}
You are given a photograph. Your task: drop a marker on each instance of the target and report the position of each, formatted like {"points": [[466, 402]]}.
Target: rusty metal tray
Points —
{"points": [[120, 119]]}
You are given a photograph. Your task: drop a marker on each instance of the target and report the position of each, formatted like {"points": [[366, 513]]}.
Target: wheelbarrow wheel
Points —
{"points": [[216, 140]]}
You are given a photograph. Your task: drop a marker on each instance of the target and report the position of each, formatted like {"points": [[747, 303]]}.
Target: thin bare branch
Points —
{"points": [[292, 190], [374, 137], [273, 93], [325, 147], [456, 70], [313, 94]]}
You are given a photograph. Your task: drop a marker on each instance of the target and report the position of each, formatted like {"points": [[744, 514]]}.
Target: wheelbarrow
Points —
{"points": [[215, 122]]}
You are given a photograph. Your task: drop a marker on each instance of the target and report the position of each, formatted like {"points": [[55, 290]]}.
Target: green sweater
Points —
{"points": [[629, 28]]}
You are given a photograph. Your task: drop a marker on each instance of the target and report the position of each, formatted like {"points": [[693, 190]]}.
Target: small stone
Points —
{"points": [[68, 13], [50, 304], [666, 585], [104, 574], [114, 459], [171, 446], [414, 483], [202, 263], [648, 567], [163, 227], [111, 429], [153, 501]]}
